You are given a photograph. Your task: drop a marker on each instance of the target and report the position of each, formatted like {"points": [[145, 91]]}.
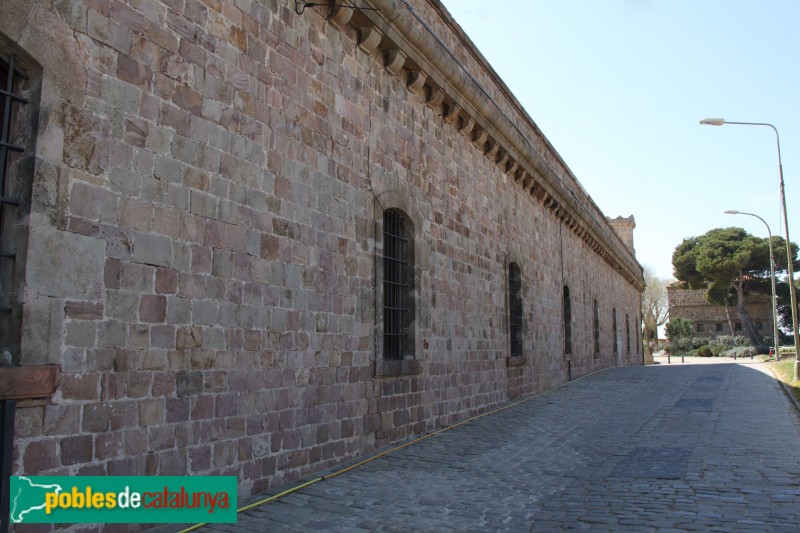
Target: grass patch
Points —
{"points": [[784, 369]]}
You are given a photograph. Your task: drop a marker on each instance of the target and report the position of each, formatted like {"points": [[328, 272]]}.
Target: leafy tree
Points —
{"points": [[730, 263], [678, 328], [654, 303], [785, 304]]}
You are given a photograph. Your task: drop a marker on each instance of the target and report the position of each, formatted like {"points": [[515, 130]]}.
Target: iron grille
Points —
{"points": [[596, 329], [396, 287], [627, 335], [8, 78], [514, 310], [567, 322], [614, 329]]}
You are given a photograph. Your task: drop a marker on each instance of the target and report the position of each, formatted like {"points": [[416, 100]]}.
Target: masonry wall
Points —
{"points": [[712, 320], [205, 241]]}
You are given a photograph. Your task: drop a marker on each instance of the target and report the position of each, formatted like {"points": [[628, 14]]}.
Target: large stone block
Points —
{"points": [[65, 265]]}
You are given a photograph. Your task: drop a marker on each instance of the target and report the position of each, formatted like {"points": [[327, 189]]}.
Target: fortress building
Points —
{"points": [[242, 239]]}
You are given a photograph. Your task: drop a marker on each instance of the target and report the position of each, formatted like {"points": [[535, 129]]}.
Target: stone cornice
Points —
{"points": [[430, 70]]}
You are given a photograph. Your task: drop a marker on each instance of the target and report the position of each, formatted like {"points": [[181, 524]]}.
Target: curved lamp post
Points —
{"points": [[775, 337], [720, 122]]}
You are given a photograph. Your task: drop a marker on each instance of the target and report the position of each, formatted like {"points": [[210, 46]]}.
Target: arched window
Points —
{"points": [[596, 329], [627, 335], [398, 286], [614, 329], [514, 310], [567, 322]]}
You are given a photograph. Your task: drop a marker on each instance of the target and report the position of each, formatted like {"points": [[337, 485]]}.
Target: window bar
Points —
{"points": [[8, 97], [7, 407], [515, 310], [395, 286]]}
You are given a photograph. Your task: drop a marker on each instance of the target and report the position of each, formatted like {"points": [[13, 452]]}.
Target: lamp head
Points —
{"points": [[732, 212], [713, 121]]}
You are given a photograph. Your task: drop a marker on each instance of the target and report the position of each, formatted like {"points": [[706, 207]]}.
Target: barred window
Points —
{"points": [[398, 286], [718, 326], [16, 163], [514, 310], [596, 329], [567, 322], [627, 334], [614, 329]]}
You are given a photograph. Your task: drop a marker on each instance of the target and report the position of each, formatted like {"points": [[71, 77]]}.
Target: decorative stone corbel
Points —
{"points": [[453, 110], [340, 17], [436, 99], [513, 170], [370, 38], [480, 139], [417, 82], [491, 153], [395, 60], [527, 181], [503, 160], [467, 128], [537, 191]]}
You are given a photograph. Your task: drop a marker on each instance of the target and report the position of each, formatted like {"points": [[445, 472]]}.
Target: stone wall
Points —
{"points": [[713, 320], [205, 236]]}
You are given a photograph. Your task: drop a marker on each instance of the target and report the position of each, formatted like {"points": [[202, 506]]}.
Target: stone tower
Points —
{"points": [[624, 227]]}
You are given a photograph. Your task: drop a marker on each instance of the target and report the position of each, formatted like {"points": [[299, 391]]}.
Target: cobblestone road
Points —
{"points": [[689, 447]]}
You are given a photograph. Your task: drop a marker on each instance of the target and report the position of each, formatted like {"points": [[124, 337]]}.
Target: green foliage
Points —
{"points": [[785, 370], [704, 351], [729, 263], [678, 328], [725, 341], [740, 351], [723, 256], [697, 342], [718, 349], [741, 340], [729, 341], [723, 345]]}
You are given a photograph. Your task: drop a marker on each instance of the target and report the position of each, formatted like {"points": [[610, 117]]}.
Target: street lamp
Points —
{"points": [[720, 122], [775, 338]]}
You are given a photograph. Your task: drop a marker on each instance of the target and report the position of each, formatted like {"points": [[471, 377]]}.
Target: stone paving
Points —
{"points": [[680, 447]]}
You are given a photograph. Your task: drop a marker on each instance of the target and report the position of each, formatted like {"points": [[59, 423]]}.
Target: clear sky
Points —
{"points": [[619, 86]]}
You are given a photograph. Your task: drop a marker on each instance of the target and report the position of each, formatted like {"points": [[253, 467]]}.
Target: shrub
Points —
{"points": [[722, 340], [704, 351], [741, 340], [717, 349], [678, 328], [740, 351], [682, 344], [697, 342]]}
